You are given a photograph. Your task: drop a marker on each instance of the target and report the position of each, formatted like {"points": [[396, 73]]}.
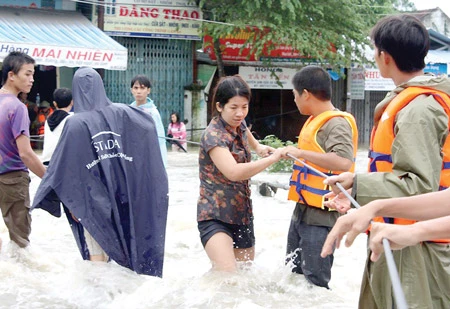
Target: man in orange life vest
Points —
{"points": [[44, 112], [409, 155], [328, 141]]}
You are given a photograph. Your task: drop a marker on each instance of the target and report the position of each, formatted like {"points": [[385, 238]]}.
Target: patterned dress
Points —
{"points": [[220, 198]]}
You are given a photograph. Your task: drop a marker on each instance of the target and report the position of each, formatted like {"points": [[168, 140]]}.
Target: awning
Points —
{"points": [[206, 73], [438, 41], [58, 38]]}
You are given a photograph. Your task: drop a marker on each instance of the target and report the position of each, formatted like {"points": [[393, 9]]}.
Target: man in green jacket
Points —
{"points": [[419, 130]]}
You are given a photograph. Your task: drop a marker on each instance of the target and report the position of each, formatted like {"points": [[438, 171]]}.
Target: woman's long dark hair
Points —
{"points": [[176, 115], [228, 87]]}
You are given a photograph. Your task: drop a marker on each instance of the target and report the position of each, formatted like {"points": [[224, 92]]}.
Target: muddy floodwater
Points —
{"points": [[51, 274]]}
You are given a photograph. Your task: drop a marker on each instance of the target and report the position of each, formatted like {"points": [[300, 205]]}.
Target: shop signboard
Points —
{"points": [[436, 68], [168, 19], [375, 82], [237, 47], [357, 81], [69, 56], [267, 78]]}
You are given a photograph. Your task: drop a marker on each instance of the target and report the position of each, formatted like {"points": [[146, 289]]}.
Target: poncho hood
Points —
{"points": [[88, 91]]}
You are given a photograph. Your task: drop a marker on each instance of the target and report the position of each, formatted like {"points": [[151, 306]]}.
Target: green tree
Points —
{"points": [[334, 32], [404, 5]]}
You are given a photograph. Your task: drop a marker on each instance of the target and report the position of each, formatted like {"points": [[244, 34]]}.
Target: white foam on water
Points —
{"points": [[51, 274]]}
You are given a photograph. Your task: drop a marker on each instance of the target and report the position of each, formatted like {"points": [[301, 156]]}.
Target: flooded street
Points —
{"points": [[51, 274]]}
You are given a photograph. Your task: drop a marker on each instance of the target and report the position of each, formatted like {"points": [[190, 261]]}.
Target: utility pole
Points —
{"points": [[100, 25]]}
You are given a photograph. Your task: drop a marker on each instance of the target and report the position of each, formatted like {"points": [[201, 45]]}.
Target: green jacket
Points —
{"points": [[420, 129]]}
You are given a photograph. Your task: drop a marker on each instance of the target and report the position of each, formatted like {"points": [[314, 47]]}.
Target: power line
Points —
{"points": [[112, 5]]}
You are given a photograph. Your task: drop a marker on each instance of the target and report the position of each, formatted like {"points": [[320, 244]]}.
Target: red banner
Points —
{"points": [[237, 47], [232, 45]]}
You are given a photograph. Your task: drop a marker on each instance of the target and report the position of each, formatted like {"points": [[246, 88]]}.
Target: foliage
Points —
{"points": [[334, 32], [404, 5], [282, 165]]}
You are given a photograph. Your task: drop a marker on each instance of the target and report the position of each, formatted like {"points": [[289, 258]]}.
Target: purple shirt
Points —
{"points": [[14, 121]]}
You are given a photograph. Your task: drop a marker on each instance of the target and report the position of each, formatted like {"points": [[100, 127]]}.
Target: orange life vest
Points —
{"points": [[382, 137], [306, 186], [41, 118]]}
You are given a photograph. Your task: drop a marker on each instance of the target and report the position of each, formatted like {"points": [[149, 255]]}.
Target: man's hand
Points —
{"points": [[338, 202], [353, 223], [294, 151], [399, 236], [345, 179]]}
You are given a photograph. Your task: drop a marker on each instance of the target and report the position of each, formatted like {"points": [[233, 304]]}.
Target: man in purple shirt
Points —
{"points": [[16, 154]]}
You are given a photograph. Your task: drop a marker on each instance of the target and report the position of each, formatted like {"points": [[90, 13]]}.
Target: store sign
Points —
{"points": [[69, 56], [357, 82], [178, 19], [436, 68], [375, 82], [267, 78], [237, 48]]}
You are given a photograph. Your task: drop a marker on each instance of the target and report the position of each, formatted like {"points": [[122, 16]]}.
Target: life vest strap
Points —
{"points": [[388, 220], [378, 156], [299, 187], [305, 171], [442, 188], [446, 165]]}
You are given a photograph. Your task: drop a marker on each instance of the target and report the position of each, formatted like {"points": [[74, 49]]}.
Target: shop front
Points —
{"points": [[59, 41], [269, 75]]}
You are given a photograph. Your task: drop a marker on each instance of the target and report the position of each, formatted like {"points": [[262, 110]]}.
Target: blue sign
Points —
{"points": [[436, 68]]}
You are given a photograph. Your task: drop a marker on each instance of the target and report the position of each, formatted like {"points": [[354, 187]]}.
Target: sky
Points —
{"points": [[431, 4]]}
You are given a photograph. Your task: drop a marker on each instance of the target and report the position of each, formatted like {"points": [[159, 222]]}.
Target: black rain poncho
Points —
{"points": [[108, 171]]}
